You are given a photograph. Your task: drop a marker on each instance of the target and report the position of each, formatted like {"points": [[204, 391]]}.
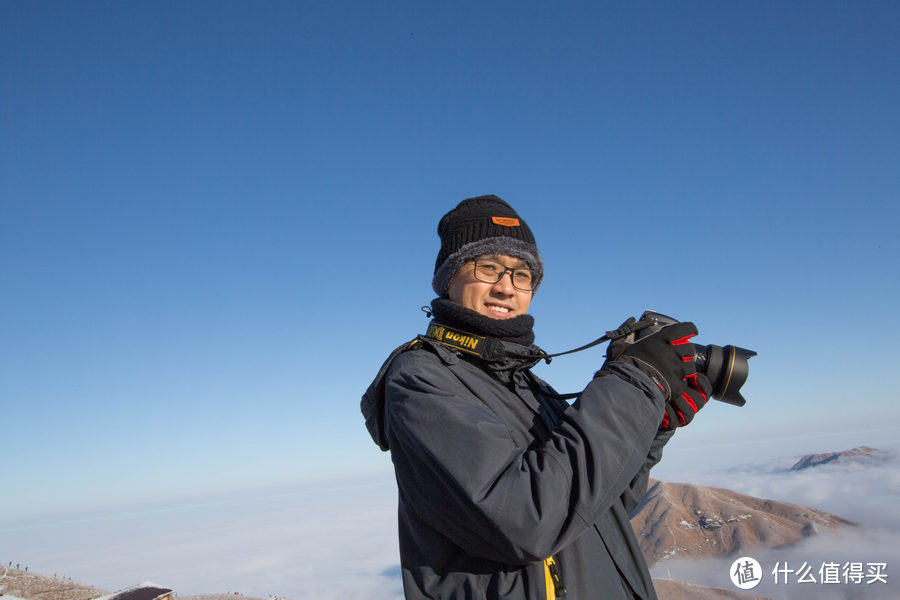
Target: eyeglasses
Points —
{"points": [[490, 271]]}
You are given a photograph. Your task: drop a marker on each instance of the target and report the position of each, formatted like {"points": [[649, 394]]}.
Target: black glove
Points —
{"points": [[665, 355], [680, 410]]}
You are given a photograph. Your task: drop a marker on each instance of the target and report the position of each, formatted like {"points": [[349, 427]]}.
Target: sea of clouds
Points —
{"points": [[328, 543], [339, 541]]}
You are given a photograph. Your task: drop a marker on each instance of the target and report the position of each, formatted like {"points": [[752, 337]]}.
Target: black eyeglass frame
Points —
{"points": [[511, 271]]}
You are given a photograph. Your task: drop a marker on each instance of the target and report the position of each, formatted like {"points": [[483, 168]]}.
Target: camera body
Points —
{"points": [[726, 367]]}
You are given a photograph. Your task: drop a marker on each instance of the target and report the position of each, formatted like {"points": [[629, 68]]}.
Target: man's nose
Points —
{"points": [[505, 285]]}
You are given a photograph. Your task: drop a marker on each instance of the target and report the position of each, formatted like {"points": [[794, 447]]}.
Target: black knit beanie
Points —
{"points": [[478, 226]]}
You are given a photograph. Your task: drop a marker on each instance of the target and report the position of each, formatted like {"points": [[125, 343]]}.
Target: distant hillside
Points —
{"points": [[686, 520], [861, 455], [668, 589], [31, 586]]}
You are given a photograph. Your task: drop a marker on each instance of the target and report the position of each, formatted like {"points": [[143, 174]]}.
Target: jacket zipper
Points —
{"points": [[555, 587]]}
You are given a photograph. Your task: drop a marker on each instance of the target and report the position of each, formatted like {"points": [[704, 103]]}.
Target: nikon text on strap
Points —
{"points": [[485, 347]]}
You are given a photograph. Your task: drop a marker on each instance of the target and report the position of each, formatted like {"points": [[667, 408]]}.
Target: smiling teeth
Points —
{"points": [[502, 309]]}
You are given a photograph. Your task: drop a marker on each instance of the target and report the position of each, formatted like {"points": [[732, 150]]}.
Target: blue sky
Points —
{"points": [[217, 219]]}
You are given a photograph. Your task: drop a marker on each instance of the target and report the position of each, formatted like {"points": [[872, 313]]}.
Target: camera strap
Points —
{"points": [[624, 330], [492, 349]]}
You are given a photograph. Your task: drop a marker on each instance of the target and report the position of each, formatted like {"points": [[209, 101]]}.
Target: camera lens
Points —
{"points": [[725, 367], [727, 370]]}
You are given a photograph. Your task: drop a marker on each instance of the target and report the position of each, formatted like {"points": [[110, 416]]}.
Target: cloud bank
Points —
{"points": [[330, 543], [341, 542]]}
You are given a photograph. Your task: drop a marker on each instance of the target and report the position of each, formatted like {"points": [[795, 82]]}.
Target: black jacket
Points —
{"points": [[495, 474]]}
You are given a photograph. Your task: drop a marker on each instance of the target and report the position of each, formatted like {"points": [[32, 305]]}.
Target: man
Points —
{"points": [[505, 489]]}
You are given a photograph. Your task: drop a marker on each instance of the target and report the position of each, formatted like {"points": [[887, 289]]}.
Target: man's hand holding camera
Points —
{"points": [[668, 357]]}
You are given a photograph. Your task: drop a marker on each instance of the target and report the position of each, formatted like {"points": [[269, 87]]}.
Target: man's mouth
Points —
{"points": [[499, 310]]}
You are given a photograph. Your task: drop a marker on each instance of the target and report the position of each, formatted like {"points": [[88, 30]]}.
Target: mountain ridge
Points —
{"points": [[687, 520], [862, 455]]}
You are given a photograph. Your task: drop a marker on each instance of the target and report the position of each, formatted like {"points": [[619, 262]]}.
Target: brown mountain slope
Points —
{"points": [[668, 589], [32, 586], [22, 584], [686, 520]]}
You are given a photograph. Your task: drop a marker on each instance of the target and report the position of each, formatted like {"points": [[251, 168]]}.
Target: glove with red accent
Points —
{"points": [[665, 355], [680, 410]]}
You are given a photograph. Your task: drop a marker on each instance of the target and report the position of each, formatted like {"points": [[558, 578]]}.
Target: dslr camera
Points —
{"points": [[725, 366]]}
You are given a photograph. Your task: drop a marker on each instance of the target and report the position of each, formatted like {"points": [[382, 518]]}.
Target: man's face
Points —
{"points": [[495, 300]]}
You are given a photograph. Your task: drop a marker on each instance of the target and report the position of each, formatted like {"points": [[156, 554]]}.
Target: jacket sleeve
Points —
{"points": [[460, 471], [637, 489]]}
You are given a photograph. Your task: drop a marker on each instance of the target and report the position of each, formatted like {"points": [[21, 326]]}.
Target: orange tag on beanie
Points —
{"points": [[505, 221]]}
